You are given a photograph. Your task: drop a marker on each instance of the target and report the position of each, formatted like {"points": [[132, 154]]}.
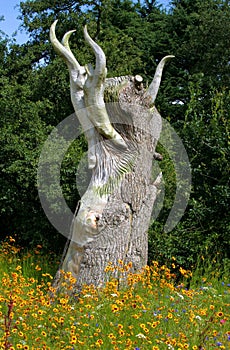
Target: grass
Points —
{"points": [[152, 312]]}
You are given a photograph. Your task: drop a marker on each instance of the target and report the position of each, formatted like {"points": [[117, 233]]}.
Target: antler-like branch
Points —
{"points": [[65, 42], [87, 91], [154, 86], [77, 80], [100, 69], [63, 49]]}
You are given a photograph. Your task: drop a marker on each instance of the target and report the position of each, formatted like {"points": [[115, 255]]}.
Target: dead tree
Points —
{"points": [[122, 126]]}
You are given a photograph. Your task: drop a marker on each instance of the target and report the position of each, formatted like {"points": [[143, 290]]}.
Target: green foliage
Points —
{"points": [[204, 229], [32, 262], [24, 128], [196, 33], [198, 78], [34, 89]]}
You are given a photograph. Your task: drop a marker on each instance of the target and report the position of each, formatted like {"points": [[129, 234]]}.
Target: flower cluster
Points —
{"points": [[149, 312]]}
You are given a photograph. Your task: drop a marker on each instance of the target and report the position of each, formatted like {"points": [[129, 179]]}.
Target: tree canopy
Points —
{"points": [[194, 98]]}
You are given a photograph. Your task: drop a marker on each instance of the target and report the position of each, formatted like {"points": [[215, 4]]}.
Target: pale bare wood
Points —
{"points": [[114, 213]]}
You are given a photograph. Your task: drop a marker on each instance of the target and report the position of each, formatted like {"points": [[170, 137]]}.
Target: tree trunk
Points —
{"points": [[122, 127]]}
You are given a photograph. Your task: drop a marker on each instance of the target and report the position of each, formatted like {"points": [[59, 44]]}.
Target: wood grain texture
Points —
{"points": [[122, 127]]}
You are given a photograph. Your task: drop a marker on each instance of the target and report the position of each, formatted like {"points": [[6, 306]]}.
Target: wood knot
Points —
{"points": [[92, 219], [158, 156]]}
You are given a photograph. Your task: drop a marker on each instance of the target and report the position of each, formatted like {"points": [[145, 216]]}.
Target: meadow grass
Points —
{"points": [[153, 311]]}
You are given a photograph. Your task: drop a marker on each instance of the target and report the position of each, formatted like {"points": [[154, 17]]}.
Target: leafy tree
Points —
{"points": [[197, 105], [34, 87], [22, 131], [204, 229], [197, 33]]}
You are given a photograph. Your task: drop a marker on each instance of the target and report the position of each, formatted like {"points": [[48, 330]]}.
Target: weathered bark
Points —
{"points": [[122, 127]]}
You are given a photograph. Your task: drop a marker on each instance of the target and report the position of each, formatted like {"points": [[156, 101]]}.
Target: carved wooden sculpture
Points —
{"points": [[122, 127]]}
